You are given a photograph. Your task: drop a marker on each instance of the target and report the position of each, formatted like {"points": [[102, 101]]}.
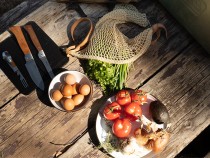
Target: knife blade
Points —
{"points": [[30, 63], [38, 46], [8, 58]]}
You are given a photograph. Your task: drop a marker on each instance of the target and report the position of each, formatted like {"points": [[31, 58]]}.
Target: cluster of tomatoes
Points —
{"points": [[125, 109]]}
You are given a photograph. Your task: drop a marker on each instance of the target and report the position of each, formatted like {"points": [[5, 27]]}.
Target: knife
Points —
{"points": [[7, 57], [30, 63], [38, 46]]}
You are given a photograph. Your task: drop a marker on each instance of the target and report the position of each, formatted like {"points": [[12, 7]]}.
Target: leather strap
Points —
{"points": [[156, 29], [75, 48]]}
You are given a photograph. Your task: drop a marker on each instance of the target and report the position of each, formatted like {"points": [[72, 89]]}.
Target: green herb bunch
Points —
{"points": [[109, 76], [110, 144]]}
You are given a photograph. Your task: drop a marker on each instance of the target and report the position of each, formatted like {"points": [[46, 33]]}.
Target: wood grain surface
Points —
{"points": [[175, 70], [186, 96], [14, 15]]}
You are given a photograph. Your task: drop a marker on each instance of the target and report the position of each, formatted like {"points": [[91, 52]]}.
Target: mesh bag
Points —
{"points": [[109, 44]]}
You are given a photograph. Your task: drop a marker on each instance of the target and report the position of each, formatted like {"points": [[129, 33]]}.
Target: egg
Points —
{"points": [[56, 95], [75, 88], [78, 99], [68, 104], [66, 90], [70, 79], [84, 89]]}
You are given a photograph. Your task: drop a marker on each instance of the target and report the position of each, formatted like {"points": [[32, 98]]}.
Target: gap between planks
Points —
{"points": [[193, 113]]}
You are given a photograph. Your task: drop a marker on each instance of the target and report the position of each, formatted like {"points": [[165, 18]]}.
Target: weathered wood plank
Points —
{"points": [[6, 86], [21, 131], [162, 52], [85, 148], [208, 155], [19, 12], [56, 28], [189, 106], [189, 112], [97, 1], [6, 20], [33, 123], [42, 125]]}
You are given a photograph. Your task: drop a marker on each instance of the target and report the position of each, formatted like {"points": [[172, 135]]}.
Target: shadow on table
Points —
{"points": [[198, 148], [95, 108], [43, 95]]}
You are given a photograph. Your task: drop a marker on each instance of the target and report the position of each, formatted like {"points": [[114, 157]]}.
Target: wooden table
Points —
{"points": [[175, 70]]}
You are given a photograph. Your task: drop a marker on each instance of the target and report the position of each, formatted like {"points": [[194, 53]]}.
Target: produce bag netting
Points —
{"points": [[109, 44]]}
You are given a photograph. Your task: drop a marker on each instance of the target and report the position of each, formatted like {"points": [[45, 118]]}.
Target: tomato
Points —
{"points": [[112, 111], [130, 117], [123, 97], [133, 109], [139, 96], [121, 127], [135, 98]]}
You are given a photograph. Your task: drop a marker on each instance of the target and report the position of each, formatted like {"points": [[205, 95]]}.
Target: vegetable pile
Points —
{"points": [[124, 117], [111, 77], [124, 110]]}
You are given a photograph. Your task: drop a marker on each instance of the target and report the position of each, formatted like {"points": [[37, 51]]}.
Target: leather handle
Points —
{"points": [[8, 58], [76, 23], [75, 48], [16, 30], [12, 63], [33, 37], [156, 28]]}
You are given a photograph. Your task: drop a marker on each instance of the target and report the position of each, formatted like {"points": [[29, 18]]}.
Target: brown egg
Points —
{"points": [[84, 89], [56, 95], [78, 99], [70, 79], [68, 104], [75, 88], [66, 90]]}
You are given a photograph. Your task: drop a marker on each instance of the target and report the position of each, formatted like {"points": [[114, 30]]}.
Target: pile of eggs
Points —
{"points": [[70, 94]]}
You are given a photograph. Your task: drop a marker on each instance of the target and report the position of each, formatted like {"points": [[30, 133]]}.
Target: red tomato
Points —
{"points": [[112, 111], [121, 127], [130, 117], [139, 96], [135, 98], [123, 97], [133, 109]]}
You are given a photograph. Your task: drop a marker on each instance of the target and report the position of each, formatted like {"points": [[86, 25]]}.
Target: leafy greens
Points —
{"points": [[109, 76]]}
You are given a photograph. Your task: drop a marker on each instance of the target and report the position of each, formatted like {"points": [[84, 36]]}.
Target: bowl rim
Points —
{"points": [[78, 107]]}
